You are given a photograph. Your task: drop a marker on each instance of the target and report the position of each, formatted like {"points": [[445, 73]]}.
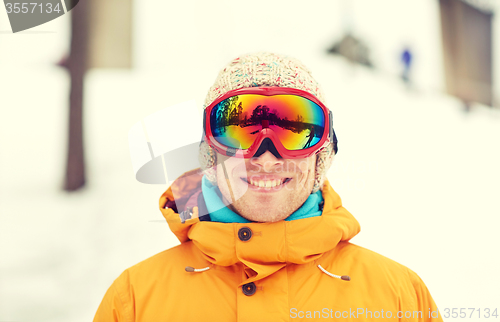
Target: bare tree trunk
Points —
{"points": [[77, 66]]}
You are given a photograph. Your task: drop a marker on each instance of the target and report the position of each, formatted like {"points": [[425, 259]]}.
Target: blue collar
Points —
{"points": [[220, 213]]}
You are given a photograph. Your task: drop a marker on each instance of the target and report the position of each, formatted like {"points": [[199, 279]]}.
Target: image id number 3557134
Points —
{"points": [[24, 7], [470, 312]]}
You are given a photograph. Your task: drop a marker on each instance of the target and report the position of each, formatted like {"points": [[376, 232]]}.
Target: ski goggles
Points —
{"points": [[296, 122]]}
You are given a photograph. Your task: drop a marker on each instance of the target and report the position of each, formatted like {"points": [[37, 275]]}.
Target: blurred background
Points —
{"points": [[413, 86]]}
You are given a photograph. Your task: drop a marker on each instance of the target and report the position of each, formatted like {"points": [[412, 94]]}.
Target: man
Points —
{"points": [[264, 237]]}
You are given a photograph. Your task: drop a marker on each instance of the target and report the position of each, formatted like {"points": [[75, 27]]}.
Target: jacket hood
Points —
{"points": [[272, 246]]}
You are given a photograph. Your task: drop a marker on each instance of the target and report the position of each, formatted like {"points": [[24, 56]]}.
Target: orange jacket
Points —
{"points": [[265, 272]]}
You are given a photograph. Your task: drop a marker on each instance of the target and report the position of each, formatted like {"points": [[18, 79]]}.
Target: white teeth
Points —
{"points": [[267, 183]]}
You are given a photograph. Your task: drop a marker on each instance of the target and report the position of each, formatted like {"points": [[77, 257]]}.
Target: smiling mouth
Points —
{"points": [[267, 183]]}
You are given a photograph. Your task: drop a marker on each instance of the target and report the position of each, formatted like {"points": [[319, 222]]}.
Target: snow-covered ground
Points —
{"points": [[420, 174]]}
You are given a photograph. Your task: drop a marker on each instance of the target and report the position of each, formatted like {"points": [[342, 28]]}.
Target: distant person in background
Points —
{"points": [[406, 58], [263, 235]]}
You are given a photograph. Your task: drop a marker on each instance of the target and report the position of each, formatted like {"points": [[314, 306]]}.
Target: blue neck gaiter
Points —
{"points": [[220, 213]]}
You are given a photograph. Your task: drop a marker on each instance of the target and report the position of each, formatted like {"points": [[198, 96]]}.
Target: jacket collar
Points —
{"points": [[272, 245]]}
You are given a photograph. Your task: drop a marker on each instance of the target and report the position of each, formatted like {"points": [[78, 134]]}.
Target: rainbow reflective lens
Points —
{"points": [[242, 121], [298, 122]]}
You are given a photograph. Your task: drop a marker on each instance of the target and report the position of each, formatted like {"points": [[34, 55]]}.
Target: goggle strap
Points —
{"points": [[333, 137], [231, 152], [332, 133], [204, 121], [203, 132]]}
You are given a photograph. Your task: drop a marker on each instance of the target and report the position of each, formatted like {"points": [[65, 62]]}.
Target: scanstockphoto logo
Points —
{"points": [[28, 14], [165, 145]]}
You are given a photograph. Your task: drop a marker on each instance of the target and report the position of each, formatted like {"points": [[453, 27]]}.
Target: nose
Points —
{"points": [[267, 161], [267, 145]]}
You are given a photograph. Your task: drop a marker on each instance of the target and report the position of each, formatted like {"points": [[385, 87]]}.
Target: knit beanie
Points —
{"points": [[264, 69]]}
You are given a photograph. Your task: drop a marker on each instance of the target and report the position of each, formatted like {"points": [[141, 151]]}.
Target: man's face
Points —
{"points": [[266, 189]]}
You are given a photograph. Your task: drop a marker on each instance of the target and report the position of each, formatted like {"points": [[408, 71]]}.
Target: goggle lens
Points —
{"points": [[298, 122]]}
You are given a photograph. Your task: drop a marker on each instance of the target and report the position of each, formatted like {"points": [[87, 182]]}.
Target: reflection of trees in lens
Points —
{"points": [[224, 114], [297, 125], [259, 114], [244, 121], [230, 113]]}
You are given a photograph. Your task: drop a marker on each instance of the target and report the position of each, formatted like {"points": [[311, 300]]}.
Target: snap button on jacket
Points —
{"points": [[300, 270], [249, 289], [244, 234]]}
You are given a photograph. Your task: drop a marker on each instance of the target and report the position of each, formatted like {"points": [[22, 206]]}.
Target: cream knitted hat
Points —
{"points": [[264, 69]]}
